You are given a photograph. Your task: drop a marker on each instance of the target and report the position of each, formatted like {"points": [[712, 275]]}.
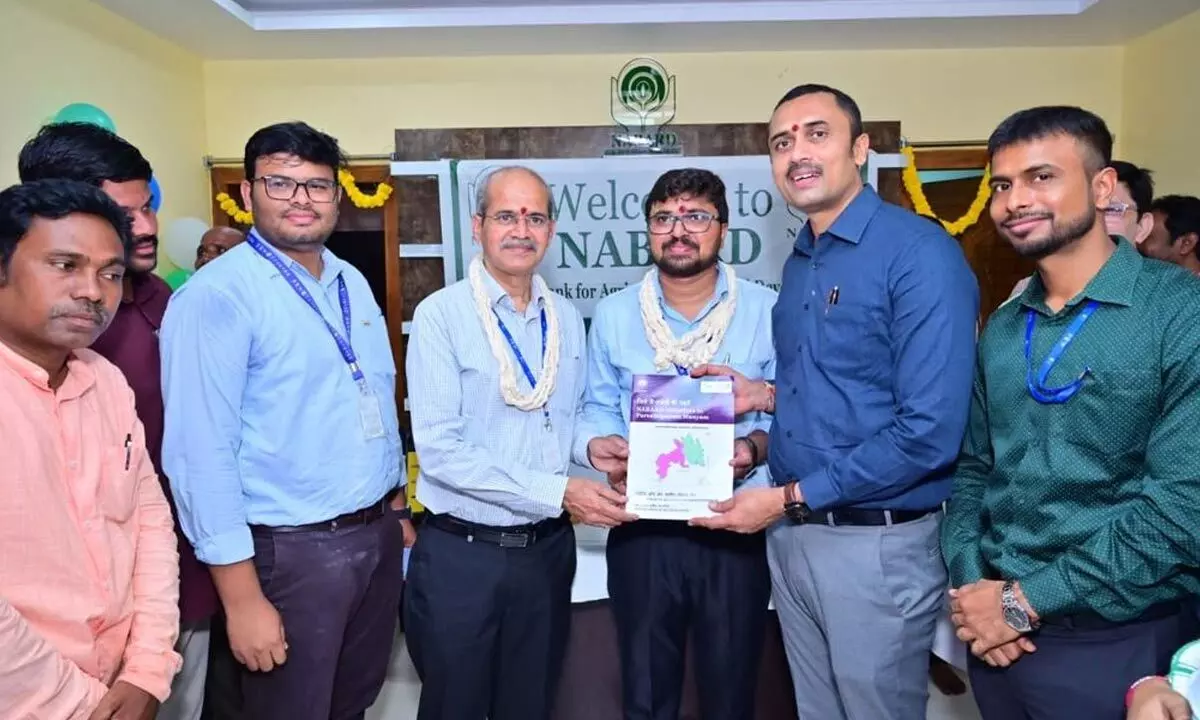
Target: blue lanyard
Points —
{"points": [[680, 369], [1037, 385], [343, 343], [517, 351]]}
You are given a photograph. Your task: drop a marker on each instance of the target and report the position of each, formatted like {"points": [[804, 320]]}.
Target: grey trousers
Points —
{"points": [[187, 690], [858, 607]]}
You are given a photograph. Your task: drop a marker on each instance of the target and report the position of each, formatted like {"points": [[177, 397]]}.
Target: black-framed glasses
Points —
{"points": [[319, 190], [508, 218], [693, 222]]}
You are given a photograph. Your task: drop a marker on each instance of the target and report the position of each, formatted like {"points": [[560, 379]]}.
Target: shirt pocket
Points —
{"points": [[853, 341], [118, 490]]}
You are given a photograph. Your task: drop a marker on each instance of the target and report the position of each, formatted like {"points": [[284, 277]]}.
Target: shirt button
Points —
{"points": [[789, 434], [793, 391], [805, 306]]}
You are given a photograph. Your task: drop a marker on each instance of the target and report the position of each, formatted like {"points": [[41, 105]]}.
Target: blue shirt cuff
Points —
{"points": [[818, 491], [227, 548]]}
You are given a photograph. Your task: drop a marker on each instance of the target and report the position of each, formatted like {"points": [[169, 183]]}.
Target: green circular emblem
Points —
{"points": [[643, 86]]}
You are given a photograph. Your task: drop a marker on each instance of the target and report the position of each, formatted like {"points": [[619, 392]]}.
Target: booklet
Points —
{"points": [[681, 436]]}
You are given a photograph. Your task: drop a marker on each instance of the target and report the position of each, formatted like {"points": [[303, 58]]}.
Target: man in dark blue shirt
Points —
{"points": [[875, 343]]}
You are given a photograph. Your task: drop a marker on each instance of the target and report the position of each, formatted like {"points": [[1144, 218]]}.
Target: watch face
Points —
{"points": [[1016, 619], [797, 512]]}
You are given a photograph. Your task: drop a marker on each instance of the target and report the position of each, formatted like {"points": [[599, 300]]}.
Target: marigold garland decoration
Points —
{"points": [[357, 197], [912, 185]]}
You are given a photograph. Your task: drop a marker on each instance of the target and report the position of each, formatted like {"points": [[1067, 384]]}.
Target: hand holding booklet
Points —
{"points": [[681, 434]]}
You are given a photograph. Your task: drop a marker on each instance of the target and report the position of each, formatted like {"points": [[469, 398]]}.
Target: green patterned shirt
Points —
{"points": [[1092, 505]]}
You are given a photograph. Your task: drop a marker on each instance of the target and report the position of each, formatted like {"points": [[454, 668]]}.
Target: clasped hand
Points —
{"points": [[978, 616]]}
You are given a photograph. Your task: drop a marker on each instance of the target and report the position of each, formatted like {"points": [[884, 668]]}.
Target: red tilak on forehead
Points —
{"points": [[524, 211], [795, 128], [681, 208]]}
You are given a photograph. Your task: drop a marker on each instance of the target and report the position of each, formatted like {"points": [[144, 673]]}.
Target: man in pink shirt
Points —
{"points": [[89, 573]]}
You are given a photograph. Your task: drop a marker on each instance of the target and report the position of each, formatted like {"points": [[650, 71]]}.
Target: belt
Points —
{"points": [[514, 536], [365, 516], [861, 517], [1093, 621]]}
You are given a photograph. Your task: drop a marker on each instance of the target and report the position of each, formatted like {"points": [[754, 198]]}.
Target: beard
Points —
{"points": [[684, 267], [1062, 234]]}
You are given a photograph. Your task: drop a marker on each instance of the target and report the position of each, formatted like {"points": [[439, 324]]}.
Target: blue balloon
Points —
{"points": [[155, 194]]}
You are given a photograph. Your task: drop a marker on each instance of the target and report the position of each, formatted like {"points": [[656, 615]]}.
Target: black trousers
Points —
{"points": [[487, 626], [223, 684], [337, 592], [1080, 670], [668, 582]]}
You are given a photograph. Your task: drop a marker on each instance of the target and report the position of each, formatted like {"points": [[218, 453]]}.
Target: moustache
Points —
{"points": [[95, 311], [142, 240], [682, 241], [1014, 218], [517, 244], [803, 169]]}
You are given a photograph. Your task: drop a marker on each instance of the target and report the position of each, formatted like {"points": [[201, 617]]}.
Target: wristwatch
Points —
{"points": [[794, 508], [1015, 616]]}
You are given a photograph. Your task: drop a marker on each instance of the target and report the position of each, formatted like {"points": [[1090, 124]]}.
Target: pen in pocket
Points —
{"points": [[128, 449], [834, 294]]}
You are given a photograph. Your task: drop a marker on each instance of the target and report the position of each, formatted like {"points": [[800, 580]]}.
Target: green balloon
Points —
{"points": [[177, 277], [85, 113]]}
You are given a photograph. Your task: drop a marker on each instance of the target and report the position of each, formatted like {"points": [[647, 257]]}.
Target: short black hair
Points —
{"points": [[844, 101], [293, 138], [697, 182], [53, 199], [1040, 122], [1181, 215], [83, 152], [1139, 182]]}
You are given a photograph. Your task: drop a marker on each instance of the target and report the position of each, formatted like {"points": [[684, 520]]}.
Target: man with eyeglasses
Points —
{"points": [[668, 581], [282, 442], [1128, 212], [496, 376]]}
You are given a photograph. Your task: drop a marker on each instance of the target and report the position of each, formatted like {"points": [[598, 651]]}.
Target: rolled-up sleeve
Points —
{"points": [[206, 342]]}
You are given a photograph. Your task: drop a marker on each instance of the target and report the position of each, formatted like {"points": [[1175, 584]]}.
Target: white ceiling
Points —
{"points": [[287, 29]]}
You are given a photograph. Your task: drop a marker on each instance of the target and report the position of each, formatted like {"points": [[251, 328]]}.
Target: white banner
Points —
{"points": [[600, 243]]}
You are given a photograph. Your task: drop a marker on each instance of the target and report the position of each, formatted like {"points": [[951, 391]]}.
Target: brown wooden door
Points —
{"points": [[996, 265]]}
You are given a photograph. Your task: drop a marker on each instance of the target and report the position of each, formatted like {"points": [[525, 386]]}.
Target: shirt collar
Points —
{"points": [[720, 293], [496, 294], [333, 264], [80, 376], [850, 224], [1113, 285]]}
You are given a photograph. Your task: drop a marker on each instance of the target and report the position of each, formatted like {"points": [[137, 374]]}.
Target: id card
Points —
{"points": [[370, 415]]}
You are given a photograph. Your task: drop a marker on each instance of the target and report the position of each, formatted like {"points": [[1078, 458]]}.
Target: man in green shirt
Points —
{"points": [[1073, 534]]}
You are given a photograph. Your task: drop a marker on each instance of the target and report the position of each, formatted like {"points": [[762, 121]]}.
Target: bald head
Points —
{"points": [[215, 243], [484, 191]]}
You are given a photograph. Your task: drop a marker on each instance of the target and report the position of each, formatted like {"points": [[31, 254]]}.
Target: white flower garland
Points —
{"points": [[698, 346], [509, 387]]}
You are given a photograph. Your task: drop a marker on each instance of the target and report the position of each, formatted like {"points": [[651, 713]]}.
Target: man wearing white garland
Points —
{"points": [[496, 378], [668, 581]]}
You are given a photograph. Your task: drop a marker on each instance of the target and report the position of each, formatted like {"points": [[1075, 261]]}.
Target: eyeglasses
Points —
{"points": [[507, 218], [693, 222], [279, 187], [1116, 209]]}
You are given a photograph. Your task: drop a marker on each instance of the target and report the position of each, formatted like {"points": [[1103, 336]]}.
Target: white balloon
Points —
{"points": [[180, 238]]}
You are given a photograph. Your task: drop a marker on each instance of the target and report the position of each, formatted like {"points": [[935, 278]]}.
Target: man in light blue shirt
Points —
{"points": [[495, 378], [668, 581], [283, 445]]}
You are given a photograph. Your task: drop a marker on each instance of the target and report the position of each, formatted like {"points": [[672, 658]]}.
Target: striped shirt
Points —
{"points": [[481, 459]]}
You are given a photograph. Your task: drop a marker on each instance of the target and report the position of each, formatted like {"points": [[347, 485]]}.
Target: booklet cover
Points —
{"points": [[680, 445]]}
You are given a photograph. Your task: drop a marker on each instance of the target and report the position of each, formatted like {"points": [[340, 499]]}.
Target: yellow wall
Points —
{"points": [[55, 52], [1162, 105], [937, 95]]}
